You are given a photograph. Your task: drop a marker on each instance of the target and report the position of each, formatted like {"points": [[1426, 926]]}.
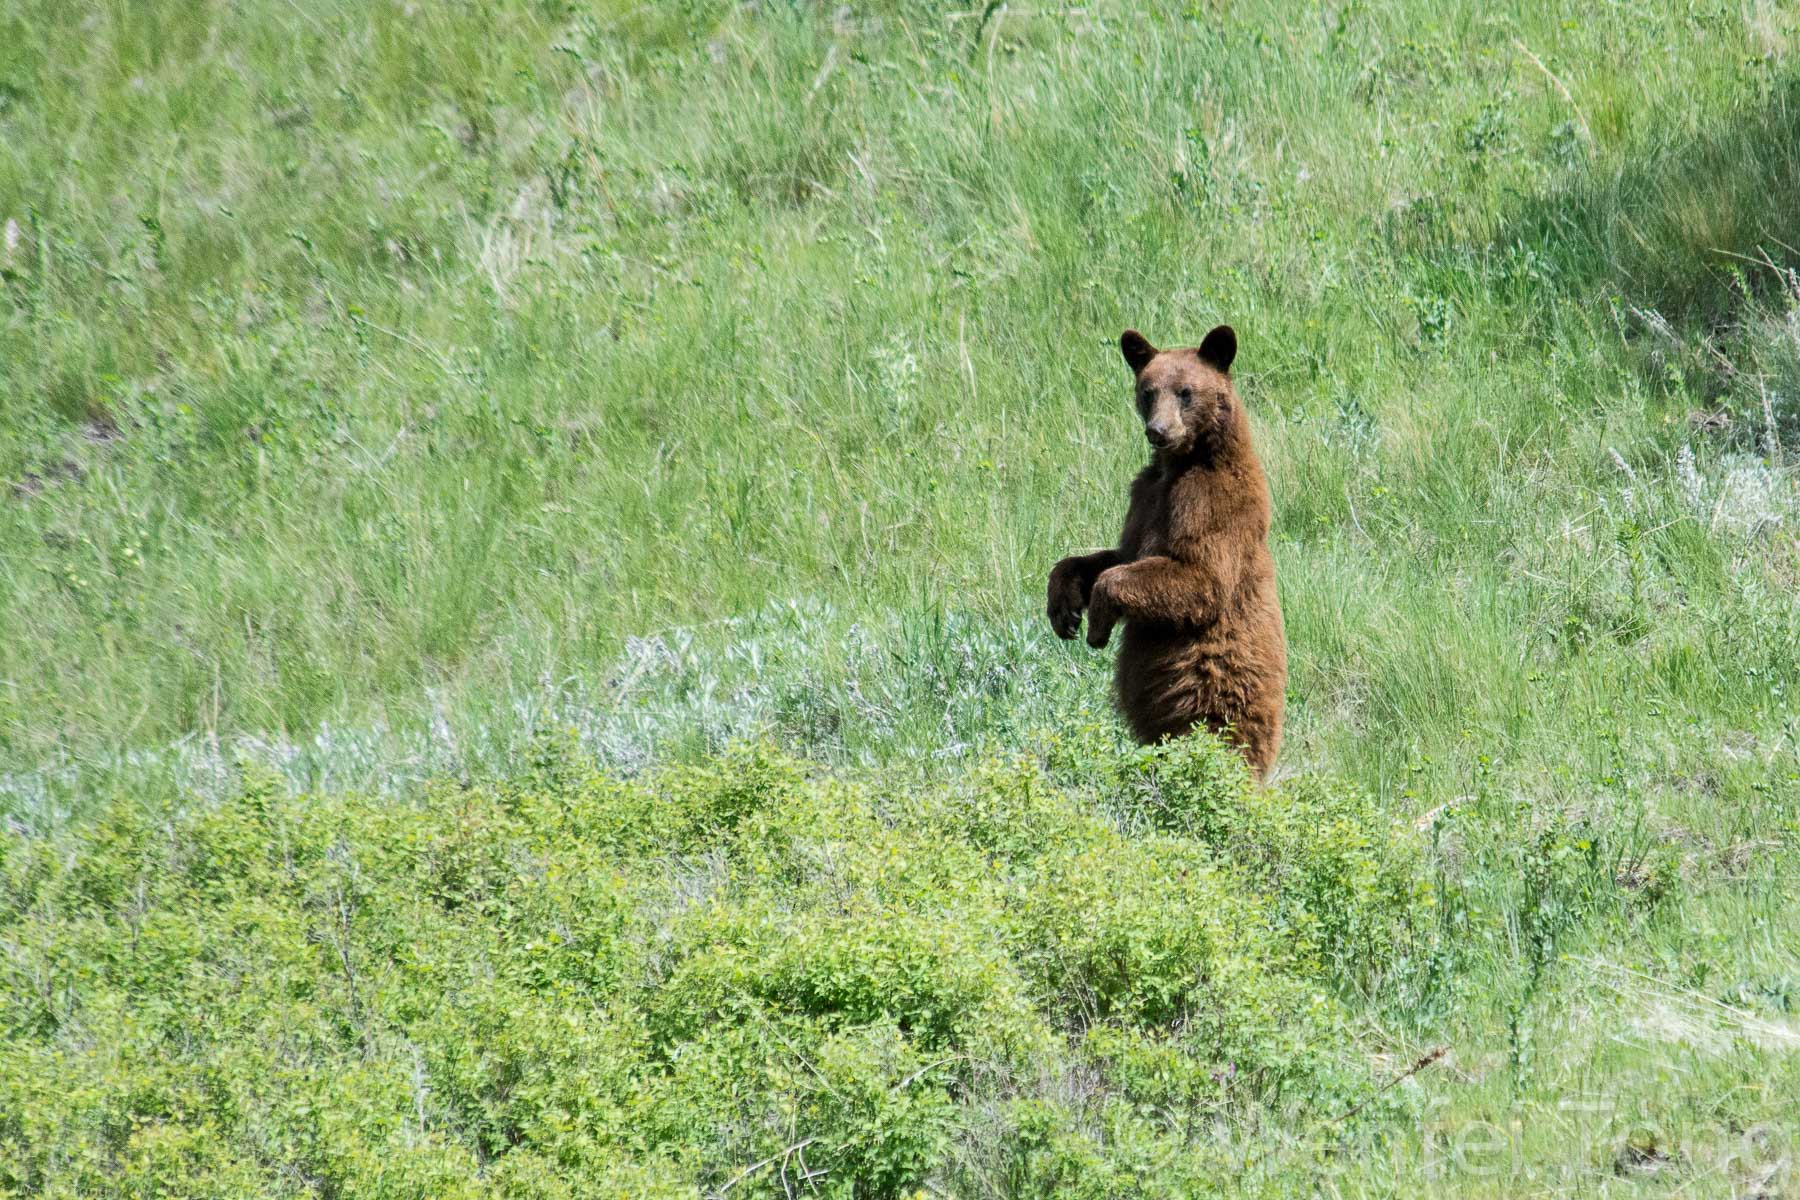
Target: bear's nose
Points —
{"points": [[1158, 433]]}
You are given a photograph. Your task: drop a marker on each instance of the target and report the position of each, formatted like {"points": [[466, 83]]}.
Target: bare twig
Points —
{"points": [[993, 40], [1425, 1061], [1774, 435], [921, 1072], [824, 73], [770, 1161], [444, 364], [1354, 519]]}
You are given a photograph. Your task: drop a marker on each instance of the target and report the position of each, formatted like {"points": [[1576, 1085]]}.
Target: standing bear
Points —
{"points": [[1192, 578]]}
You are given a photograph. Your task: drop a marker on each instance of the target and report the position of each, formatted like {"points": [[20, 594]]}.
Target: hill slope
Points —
{"points": [[386, 386]]}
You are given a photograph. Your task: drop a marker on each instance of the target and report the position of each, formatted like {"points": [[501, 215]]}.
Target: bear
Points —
{"points": [[1192, 577]]}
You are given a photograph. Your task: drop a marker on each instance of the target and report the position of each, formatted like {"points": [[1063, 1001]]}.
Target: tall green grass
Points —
{"points": [[353, 353]]}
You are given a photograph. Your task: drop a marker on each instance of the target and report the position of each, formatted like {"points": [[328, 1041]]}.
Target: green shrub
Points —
{"points": [[741, 967], [1345, 882]]}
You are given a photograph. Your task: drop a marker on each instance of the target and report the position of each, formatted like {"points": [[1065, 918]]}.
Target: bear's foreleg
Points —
{"points": [[1159, 590]]}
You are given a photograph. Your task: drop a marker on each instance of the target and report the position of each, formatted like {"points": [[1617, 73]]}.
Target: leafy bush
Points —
{"points": [[742, 969], [1346, 885]]}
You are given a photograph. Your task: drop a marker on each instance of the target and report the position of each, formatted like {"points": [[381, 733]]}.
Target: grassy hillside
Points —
{"points": [[386, 389]]}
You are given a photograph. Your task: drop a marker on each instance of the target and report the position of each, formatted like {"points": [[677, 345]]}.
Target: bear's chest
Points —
{"points": [[1152, 526]]}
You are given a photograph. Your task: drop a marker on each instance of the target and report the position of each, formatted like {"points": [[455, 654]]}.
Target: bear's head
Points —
{"points": [[1184, 396]]}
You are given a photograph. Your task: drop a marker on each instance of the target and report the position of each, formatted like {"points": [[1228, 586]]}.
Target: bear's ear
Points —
{"points": [[1137, 350], [1219, 347]]}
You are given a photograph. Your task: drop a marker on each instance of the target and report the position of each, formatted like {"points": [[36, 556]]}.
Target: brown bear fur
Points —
{"points": [[1192, 578]]}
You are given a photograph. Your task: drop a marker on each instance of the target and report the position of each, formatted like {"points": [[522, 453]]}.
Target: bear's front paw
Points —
{"points": [[1103, 613], [1103, 608], [1065, 603]]}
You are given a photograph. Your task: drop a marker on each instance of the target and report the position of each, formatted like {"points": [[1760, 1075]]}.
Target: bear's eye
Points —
{"points": [[1186, 394]]}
